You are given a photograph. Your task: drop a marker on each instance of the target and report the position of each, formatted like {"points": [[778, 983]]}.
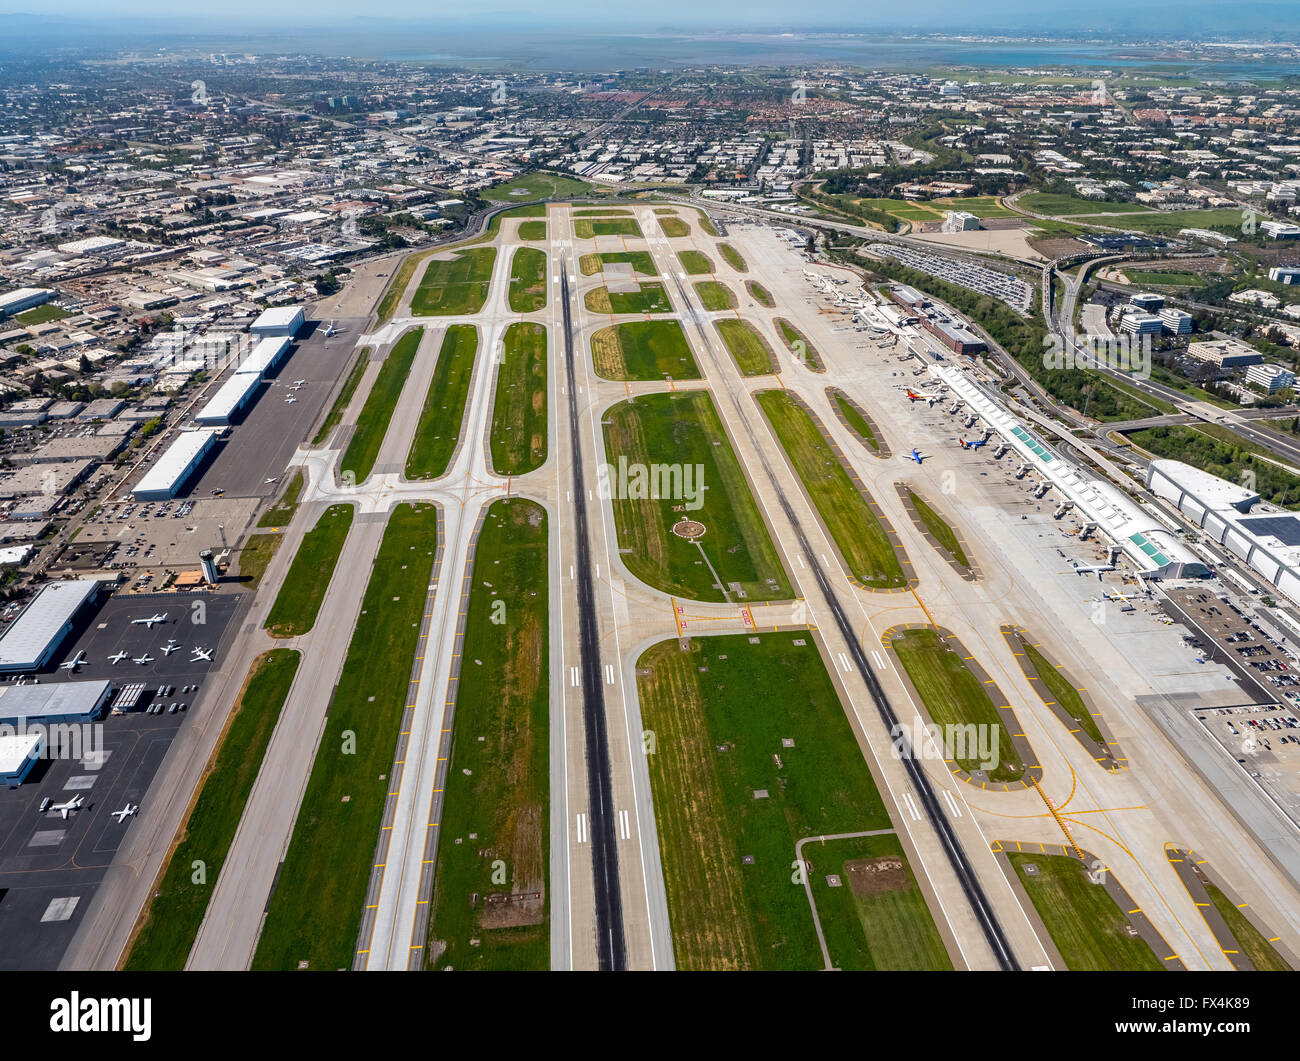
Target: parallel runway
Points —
{"points": [[610, 947]]}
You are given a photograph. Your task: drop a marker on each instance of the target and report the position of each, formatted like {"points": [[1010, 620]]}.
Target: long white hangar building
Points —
{"points": [[241, 389], [1268, 539], [178, 462], [32, 639]]}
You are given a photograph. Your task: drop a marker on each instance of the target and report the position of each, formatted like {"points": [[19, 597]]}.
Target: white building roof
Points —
{"points": [[25, 640], [53, 700], [17, 748], [1146, 541], [277, 317], [230, 396], [263, 355], [177, 459]]}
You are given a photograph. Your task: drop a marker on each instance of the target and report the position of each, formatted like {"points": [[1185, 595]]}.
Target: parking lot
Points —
{"points": [[152, 535], [1225, 632]]}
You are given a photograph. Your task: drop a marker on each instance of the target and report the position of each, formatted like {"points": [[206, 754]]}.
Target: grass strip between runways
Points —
{"points": [[519, 412], [498, 779], [372, 423], [298, 602], [444, 407], [859, 535], [315, 910], [185, 887]]}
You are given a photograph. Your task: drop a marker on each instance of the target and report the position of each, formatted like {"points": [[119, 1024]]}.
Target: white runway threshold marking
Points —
{"points": [[911, 807], [845, 665], [609, 674], [582, 828], [624, 825], [952, 803], [880, 660], [573, 676]]}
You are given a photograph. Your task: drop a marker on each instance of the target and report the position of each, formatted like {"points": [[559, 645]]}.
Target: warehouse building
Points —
{"points": [[24, 298], [51, 479], [280, 320], [265, 356], [31, 640], [19, 752], [66, 703], [168, 475], [231, 399]]}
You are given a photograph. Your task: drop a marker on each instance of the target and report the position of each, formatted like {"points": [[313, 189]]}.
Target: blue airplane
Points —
{"points": [[916, 457]]}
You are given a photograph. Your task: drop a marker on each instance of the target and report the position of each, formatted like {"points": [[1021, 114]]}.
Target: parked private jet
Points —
{"points": [[67, 808], [169, 648], [202, 655], [142, 660], [149, 622], [125, 812], [117, 657], [290, 401], [75, 662]]}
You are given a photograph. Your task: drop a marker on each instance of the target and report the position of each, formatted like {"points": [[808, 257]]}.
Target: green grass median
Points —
{"points": [[314, 913], [175, 911], [444, 407]]}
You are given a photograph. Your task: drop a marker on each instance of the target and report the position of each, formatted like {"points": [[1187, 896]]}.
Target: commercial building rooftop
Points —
{"points": [[27, 641]]}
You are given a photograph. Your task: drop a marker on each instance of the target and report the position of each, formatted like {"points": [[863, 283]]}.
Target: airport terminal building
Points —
{"points": [[1152, 547], [32, 639], [1267, 540]]}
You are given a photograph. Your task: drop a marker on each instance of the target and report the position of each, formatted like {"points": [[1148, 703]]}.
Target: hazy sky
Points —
{"points": [[1006, 16]]}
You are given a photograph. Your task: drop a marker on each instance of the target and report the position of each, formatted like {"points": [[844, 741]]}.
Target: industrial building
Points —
{"points": [[1285, 274], [265, 356], [168, 475], [280, 320], [24, 298], [1268, 541], [31, 640], [66, 703], [231, 399], [1151, 545]]}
